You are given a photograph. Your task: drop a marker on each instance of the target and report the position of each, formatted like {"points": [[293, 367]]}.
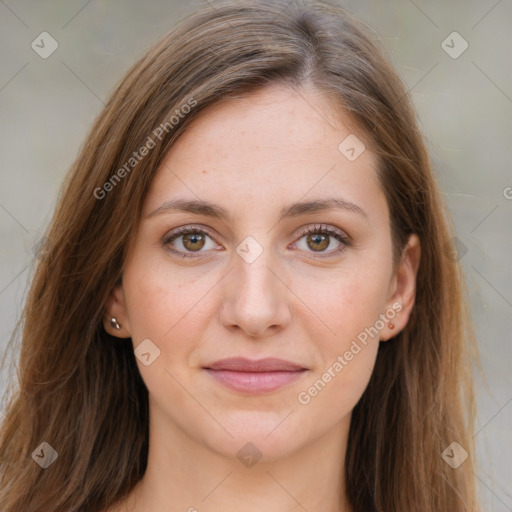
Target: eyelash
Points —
{"points": [[319, 229]]}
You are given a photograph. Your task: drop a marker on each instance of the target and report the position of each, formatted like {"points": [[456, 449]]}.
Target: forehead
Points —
{"points": [[272, 147]]}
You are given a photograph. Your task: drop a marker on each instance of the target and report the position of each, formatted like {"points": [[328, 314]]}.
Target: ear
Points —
{"points": [[402, 289], [115, 307]]}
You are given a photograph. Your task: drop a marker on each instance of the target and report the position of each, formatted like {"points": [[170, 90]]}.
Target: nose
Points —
{"points": [[256, 299]]}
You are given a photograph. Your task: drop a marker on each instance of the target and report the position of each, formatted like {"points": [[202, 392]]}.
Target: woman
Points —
{"points": [[246, 301]]}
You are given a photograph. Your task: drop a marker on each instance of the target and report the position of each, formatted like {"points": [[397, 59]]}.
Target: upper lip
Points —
{"points": [[241, 364]]}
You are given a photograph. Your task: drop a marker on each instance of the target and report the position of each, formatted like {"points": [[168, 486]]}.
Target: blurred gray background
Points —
{"points": [[463, 100]]}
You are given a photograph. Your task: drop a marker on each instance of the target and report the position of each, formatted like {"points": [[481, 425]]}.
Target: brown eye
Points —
{"points": [[318, 239], [193, 241], [186, 241], [318, 242]]}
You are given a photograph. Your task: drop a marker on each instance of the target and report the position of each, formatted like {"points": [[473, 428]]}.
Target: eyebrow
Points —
{"points": [[215, 211]]}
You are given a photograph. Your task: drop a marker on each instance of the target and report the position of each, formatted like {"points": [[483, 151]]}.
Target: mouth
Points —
{"points": [[255, 376]]}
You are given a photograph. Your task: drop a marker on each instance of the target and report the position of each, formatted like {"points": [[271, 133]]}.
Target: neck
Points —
{"points": [[185, 475]]}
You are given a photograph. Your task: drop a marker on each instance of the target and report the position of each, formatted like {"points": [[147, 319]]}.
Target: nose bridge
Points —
{"points": [[255, 280], [256, 299]]}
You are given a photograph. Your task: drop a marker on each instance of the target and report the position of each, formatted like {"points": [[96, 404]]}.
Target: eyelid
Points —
{"points": [[331, 230]]}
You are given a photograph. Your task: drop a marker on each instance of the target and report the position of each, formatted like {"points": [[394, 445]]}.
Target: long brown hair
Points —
{"points": [[80, 390]]}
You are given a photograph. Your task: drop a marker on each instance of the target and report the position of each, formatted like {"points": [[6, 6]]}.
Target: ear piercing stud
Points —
{"points": [[391, 326], [114, 323]]}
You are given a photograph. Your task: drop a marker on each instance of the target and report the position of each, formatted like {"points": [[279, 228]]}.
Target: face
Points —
{"points": [[263, 277]]}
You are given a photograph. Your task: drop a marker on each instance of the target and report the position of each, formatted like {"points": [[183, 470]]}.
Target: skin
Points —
{"points": [[255, 156]]}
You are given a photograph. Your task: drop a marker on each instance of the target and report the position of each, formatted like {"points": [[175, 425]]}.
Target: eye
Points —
{"points": [[318, 238], [193, 240]]}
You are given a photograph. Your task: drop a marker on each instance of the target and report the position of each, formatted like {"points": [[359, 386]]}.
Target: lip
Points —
{"points": [[241, 364], [255, 376]]}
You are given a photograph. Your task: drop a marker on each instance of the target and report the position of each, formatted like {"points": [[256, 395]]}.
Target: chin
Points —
{"points": [[256, 435]]}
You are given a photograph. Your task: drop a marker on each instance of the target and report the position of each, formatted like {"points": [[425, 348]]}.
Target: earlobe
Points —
{"points": [[115, 317], [403, 291]]}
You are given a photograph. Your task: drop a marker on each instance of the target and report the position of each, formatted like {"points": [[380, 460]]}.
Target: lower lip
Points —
{"points": [[254, 382]]}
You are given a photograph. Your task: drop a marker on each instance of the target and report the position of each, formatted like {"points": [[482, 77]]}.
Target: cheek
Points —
{"points": [[345, 303], [345, 333], [333, 393], [171, 307], [161, 296], [165, 308]]}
